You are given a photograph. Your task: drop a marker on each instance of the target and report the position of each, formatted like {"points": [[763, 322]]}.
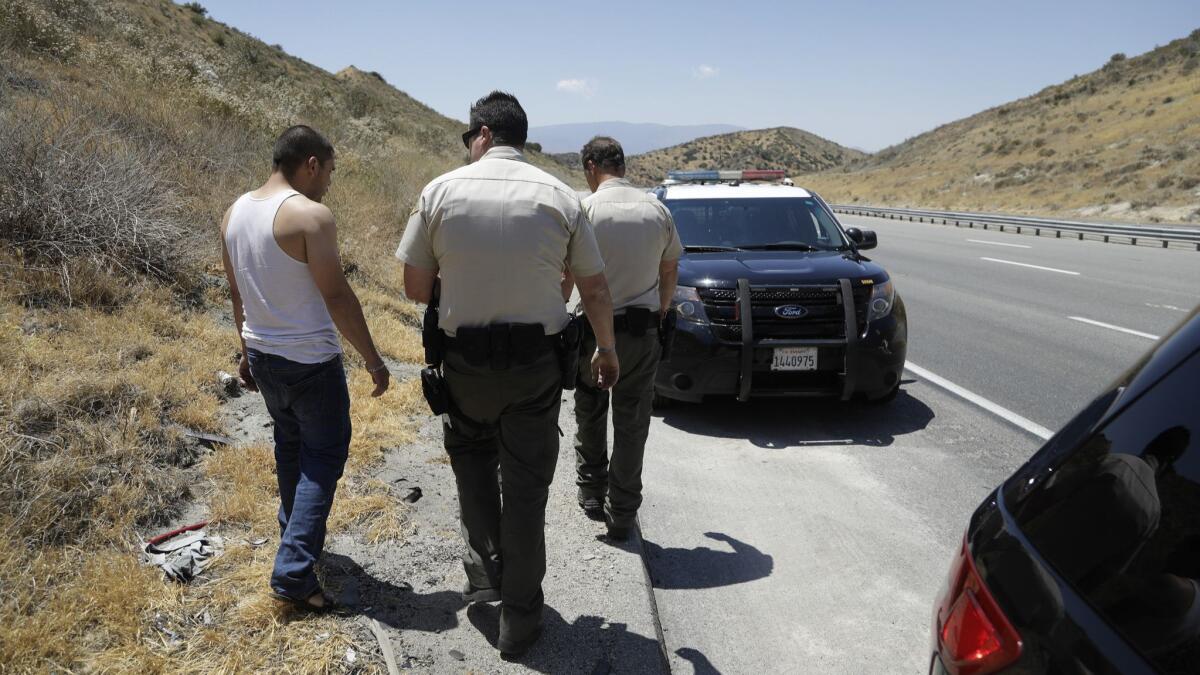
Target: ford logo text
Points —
{"points": [[791, 312]]}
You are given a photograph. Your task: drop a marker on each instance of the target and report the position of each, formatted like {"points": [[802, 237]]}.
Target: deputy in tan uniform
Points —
{"points": [[641, 251], [498, 232]]}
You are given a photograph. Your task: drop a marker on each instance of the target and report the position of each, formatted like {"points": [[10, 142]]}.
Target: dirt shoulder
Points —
{"points": [[599, 615]]}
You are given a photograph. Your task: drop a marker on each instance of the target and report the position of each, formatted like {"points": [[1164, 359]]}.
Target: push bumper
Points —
{"points": [[867, 363]]}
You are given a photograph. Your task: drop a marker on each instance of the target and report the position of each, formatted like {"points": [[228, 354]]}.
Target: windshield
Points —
{"points": [[780, 223]]}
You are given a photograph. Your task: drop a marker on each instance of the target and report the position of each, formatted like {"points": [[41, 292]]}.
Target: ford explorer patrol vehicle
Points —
{"points": [[775, 298]]}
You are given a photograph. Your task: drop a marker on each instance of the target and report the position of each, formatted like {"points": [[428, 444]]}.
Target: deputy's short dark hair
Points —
{"points": [[502, 113], [295, 145], [605, 151]]}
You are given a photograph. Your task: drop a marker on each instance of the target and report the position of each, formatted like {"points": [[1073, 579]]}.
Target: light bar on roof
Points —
{"points": [[701, 175], [694, 175], [763, 174]]}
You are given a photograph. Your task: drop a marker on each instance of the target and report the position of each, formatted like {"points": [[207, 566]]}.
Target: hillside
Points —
{"points": [[127, 127], [793, 150], [1121, 142], [635, 138]]}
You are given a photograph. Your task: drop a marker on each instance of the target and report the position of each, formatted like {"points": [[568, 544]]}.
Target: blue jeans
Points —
{"points": [[310, 405]]}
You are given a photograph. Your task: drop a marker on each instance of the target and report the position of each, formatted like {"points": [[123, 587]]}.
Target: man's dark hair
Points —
{"points": [[605, 151], [295, 145], [502, 113]]}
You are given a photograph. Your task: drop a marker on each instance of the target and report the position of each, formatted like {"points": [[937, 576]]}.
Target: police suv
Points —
{"points": [[775, 298]]}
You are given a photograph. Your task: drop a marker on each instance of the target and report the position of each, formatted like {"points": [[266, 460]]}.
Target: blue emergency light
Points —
{"points": [[696, 176], [693, 175]]}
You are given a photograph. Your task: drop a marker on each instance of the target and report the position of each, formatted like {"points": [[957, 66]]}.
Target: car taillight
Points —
{"points": [[973, 635]]}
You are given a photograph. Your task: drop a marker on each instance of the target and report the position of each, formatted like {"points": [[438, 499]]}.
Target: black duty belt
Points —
{"points": [[629, 322], [503, 344]]}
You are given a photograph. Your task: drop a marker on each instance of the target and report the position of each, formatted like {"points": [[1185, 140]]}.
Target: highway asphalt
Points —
{"points": [[802, 536], [982, 319]]}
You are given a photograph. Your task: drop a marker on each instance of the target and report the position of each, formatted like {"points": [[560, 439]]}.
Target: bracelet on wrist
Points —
{"points": [[382, 366], [605, 350]]}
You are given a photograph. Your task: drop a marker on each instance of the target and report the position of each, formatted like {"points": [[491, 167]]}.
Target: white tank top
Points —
{"points": [[285, 314]]}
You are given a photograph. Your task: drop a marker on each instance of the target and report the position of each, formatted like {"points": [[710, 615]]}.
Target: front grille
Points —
{"points": [[824, 319]]}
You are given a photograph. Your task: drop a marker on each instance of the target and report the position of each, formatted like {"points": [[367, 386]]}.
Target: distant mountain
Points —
{"points": [[635, 138], [793, 150], [1121, 142]]}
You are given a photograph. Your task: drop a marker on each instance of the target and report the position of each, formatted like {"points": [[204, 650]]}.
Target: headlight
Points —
{"points": [[688, 305], [883, 297]]}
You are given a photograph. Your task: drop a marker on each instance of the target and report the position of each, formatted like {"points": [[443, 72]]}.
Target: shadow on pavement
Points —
{"points": [[588, 645], [396, 606], [680, 568], [797, 422], [700, 663]]}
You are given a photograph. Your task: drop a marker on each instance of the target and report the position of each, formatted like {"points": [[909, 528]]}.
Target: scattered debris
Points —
{"points": [[183, 553], [351, 655], [256, 542], [457, 655], [208, 440], [229, 384], [385, 647], [414, 494]]}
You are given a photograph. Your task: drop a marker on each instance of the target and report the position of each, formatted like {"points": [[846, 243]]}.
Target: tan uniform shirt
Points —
{"points": [[500, 231], [636, 233]]}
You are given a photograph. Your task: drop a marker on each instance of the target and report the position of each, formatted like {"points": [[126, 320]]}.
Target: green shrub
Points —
{"points": [[196, 8]]}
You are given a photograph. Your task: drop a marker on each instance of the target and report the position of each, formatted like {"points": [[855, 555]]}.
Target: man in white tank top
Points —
{"points": [[290, 300]]}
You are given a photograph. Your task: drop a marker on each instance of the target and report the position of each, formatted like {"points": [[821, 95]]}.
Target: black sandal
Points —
{"points": [[330, 605]]}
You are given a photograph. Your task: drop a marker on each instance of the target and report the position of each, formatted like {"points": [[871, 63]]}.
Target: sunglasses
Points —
{"points": [[468, 135]]}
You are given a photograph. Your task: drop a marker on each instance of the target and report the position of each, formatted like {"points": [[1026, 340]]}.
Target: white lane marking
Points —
{"points": [[998, 243], [1148, 336], [1036, 267], [1172, 308], [994, 408]]}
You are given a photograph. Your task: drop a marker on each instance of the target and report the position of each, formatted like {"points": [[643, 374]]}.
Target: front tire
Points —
{"points": [[886, 398]]}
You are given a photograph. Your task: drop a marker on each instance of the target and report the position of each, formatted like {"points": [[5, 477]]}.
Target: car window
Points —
{"points": [[1119, 519], [751, 221]]}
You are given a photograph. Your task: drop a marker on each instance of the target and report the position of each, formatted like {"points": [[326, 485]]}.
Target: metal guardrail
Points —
{"points": [[1123, 233]]}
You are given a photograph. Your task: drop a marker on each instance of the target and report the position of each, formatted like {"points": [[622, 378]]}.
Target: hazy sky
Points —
{"points": [[865, 74]]}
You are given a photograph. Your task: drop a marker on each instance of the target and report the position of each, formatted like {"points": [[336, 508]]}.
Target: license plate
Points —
{"points": [[794, 358]]}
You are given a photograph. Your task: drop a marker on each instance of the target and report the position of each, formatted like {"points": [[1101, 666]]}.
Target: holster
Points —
{"points": [[569, 342], [666, 334], [433, 386], [637, 320], [432, 338]]}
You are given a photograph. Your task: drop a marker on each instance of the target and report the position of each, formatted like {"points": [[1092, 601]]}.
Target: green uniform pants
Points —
{"points": [[505, 419], [617, 482]]}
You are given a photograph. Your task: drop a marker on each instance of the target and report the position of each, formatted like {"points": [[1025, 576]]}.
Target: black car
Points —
{"points": [[776, 299], [1087, 559]]}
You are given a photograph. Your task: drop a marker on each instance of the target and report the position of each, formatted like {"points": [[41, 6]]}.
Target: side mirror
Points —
{"points": [[863, 239]]}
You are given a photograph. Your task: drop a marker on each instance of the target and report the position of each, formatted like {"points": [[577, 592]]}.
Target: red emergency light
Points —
{"points": [[762, 174]]}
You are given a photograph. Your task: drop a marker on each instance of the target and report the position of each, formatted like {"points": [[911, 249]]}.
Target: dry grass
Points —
{"points": [[107, 353], [792, 150], [1122, 142]]}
